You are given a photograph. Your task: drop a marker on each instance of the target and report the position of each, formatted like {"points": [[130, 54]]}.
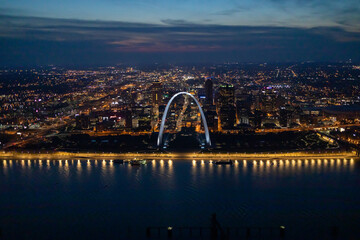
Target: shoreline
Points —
{"points": [[174, 156]]}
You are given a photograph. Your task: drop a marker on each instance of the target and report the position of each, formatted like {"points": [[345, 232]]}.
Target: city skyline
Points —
{"points": [[177, 32], [135, 102]]}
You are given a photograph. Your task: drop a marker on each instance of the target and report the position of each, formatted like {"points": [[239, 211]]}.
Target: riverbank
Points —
{"points": [[168, 155]]}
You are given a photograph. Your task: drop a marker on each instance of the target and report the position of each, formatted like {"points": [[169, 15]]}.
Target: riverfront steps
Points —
{"points": [[177, 156]]}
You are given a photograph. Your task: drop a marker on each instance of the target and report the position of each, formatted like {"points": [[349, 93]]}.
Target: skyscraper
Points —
{"points": [[226, 106], [156, 93], [209, 91], [226, 95]]}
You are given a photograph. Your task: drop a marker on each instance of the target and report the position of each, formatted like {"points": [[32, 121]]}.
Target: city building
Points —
{"points": [[226, 106], [156, 90], [209, 92]]}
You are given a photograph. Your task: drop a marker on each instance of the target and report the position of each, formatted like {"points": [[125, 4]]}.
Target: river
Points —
{"points": [[96, 199]]}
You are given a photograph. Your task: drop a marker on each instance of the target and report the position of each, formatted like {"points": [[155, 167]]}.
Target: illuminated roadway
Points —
{"points": [[181, 116], [180, 156], [306, 128]]}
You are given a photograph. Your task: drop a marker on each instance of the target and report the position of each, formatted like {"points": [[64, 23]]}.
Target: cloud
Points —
{"points": [[345, 13], [232, 11], [177, 22], [50, 38]]}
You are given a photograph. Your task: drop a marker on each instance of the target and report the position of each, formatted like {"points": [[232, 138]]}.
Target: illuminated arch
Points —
{"points": [[207, 135]]}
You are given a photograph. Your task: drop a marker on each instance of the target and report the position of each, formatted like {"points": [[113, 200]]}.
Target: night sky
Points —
{"points": [[177, 31]]}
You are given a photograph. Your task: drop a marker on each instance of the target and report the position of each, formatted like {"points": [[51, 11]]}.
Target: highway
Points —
{"points": [[310, 128]]}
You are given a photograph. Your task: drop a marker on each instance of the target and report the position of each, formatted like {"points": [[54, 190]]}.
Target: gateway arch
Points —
{"points": [[161, 132]]}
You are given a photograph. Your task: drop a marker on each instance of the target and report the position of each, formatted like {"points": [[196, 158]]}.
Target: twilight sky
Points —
{"points": [[178, 31]]}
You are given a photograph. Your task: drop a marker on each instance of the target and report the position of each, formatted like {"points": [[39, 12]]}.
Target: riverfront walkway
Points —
{"points": [[175, 156]]}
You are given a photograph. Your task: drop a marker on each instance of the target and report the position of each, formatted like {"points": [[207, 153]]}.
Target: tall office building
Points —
{"points": [[156, 93], [226, 106], [226, 95], [209, 91]]}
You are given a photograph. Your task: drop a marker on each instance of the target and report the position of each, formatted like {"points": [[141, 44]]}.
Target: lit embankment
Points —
{"points": [[263, 167], [190, 156]]}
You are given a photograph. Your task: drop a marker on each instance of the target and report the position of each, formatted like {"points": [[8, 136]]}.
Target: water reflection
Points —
{"points": [[244, 166], [88, 166], [352, 163], [261, 167], [200, 169], [294, 166], [66, 169], [78, 167], [4, 167]]}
